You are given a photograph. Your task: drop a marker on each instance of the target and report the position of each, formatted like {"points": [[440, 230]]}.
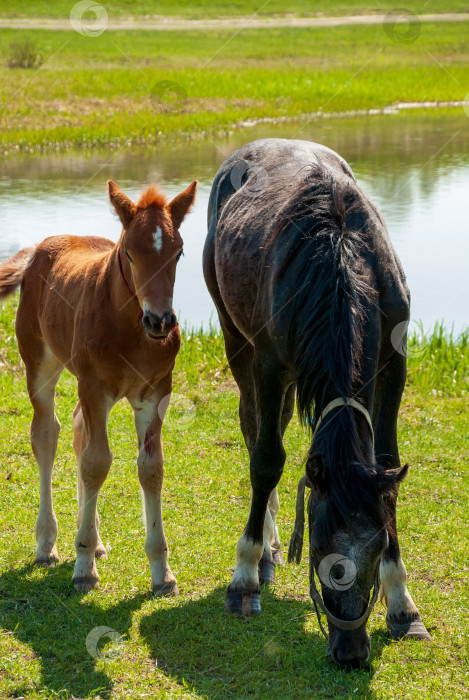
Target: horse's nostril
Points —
{"points": [[351, 660]]}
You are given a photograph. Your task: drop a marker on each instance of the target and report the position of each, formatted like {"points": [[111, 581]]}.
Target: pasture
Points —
{"points": [[112, 90], [130, 88], [187, 647]]}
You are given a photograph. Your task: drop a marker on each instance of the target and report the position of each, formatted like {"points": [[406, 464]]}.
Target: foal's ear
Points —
{"points": [[316, 471], [180, 205], [391, 478], [124, 207]]}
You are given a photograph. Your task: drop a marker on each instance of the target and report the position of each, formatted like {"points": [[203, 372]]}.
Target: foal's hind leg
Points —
{"points": [[42, 376], [403, 618], [79, 444]]}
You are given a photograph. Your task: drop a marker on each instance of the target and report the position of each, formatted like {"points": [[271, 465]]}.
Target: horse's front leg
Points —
{"points": [[266, 466], [403, 617], [95, 462], [149, 416]]}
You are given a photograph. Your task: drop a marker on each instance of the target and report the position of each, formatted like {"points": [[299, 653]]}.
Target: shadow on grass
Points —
{"points": [[270, 656], [46, 613]]}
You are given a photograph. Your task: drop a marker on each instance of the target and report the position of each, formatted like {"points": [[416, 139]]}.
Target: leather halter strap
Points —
{"points": [[344, 402], [336, 621], [313, 591], [132, 294]]}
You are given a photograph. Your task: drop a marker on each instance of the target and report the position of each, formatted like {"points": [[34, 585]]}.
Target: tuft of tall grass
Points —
{"points": [[438, 361], [24, 53]]}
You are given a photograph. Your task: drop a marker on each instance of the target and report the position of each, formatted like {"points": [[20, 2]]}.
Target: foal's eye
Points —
{"points": [[128, 257], [181, 252]]}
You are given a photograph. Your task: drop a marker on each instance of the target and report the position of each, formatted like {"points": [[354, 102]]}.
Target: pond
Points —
{"points": [[415, 166]]}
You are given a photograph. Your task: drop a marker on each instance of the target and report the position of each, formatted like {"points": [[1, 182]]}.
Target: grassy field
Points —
{"points": [[202, 9], [112, 90], [187, 647]]}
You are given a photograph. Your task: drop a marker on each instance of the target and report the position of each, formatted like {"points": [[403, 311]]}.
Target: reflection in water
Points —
{"points": [[415, 167]]}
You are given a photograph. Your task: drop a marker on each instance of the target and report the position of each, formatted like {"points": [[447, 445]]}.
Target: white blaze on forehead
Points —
{"points": [[158, 240]]}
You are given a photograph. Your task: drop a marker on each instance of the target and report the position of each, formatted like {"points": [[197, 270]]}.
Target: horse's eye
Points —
{"points": [[128, 257], [181, 252]]}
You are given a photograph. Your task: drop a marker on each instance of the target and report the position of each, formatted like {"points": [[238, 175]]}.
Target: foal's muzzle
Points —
{"points": [[158, 327]]}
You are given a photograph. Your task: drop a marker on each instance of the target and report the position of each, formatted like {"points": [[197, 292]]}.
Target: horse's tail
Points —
{"points": [[12, 271]]}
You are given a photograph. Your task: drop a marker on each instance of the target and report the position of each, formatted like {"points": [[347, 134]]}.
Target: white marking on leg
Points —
{"points": [[274, 507], [158, 240], [246, 573], [394, 589]]}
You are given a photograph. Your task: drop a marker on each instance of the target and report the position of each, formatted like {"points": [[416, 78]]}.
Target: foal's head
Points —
{"points": [[149, 248], [348, 529]]}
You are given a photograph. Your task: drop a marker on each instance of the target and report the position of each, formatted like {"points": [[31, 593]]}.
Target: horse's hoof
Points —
{"points": [[170, 588], [266, 571], [47, 562], [277, 556], [83, 584], [408, 629], [243, 603]]}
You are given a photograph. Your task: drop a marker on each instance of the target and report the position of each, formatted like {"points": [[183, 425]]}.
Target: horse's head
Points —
{"points": [[346, 545], [149, 248]]}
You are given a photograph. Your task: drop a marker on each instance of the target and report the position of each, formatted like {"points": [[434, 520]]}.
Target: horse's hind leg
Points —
{"points": [[42, 372], [403, 618], [79, 443]]}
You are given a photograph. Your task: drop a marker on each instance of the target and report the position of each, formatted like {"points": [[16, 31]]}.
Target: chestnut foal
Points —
{"points": [[103, 311]]}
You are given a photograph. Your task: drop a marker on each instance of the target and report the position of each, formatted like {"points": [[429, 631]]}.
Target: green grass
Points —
{"points": [[202, 9], [107, 90], [187, 647]]}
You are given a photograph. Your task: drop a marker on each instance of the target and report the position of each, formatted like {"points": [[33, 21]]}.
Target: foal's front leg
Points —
{"points": [[266, 466], [148, 423], [95, 462]]}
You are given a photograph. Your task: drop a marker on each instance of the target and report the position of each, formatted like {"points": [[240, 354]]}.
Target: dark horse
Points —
{"points": [[309, 291]]}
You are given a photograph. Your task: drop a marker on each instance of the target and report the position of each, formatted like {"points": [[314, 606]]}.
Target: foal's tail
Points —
{"points": [[12, 271]]}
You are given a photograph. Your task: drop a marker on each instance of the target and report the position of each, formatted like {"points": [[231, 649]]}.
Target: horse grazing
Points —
{"points": [[103, 311], [308, 290]]}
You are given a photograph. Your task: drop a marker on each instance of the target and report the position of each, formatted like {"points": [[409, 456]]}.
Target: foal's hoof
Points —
{"points": [[243, 603], [400, 628], [83, 584], [47, 561], [266, 571], [170, 588]]}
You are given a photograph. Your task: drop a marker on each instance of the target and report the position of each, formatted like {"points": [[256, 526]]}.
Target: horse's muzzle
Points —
{"points": [[349, 648], [158, 327]]}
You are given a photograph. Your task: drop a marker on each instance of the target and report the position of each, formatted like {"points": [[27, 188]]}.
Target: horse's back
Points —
{"points": [[255, 193], [60, 271]]}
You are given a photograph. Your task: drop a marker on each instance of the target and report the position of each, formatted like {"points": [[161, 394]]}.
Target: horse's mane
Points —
{"points": [[325, 225], [152, 197]]}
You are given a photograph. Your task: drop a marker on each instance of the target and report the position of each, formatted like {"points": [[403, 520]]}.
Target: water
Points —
{"points": [[415, 167]]}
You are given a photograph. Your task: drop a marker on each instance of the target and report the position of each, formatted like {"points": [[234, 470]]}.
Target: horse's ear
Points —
{"points": [[391, 478], [316, 471], [124, 207], [180, 205]]}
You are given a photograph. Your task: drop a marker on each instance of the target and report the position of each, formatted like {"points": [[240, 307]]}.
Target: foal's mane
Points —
{"points": [[322, 232]]}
